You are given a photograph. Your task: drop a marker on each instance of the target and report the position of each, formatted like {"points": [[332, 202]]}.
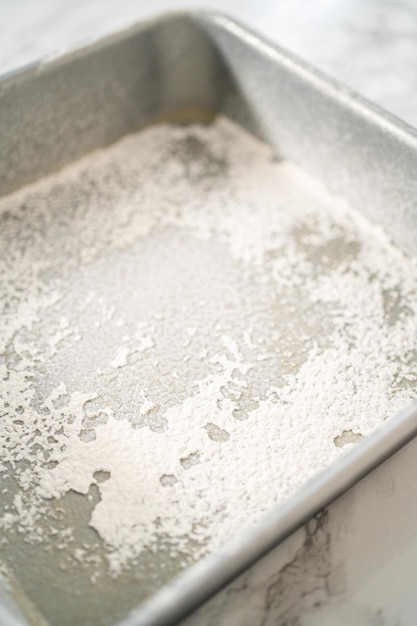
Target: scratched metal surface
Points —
{"points": [[367, 44]]}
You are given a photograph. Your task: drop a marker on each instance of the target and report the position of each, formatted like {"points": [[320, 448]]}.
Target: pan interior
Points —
{"points": [[190, 330]]}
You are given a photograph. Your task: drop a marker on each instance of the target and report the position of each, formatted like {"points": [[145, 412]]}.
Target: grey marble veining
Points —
{"points": [[368, 44]]}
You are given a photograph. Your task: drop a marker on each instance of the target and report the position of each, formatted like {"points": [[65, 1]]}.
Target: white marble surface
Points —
{"points": [[370, 45]]}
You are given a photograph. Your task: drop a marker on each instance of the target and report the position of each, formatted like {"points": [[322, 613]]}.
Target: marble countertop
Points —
{"points": [[367, 44]]}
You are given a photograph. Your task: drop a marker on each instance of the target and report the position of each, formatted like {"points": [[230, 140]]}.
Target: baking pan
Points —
{"points": [[181, 69]]}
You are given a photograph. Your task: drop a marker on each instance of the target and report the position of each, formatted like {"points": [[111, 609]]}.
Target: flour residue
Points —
{"points": [[195, 329]]}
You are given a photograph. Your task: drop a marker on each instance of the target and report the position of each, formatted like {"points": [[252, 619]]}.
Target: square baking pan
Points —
{"points": [[190, 68]]}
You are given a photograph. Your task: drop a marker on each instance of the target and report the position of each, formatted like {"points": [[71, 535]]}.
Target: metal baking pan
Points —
{"points": [[190, 67]]}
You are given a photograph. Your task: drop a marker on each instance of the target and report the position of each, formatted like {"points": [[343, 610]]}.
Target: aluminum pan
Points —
{"points": [[188, 65]]}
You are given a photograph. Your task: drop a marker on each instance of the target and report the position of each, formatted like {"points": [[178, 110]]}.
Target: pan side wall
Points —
{"points": [[367, 157], [58, 111]]}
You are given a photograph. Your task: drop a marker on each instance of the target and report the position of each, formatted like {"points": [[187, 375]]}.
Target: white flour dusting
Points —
{"points": [[206, 326]]}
